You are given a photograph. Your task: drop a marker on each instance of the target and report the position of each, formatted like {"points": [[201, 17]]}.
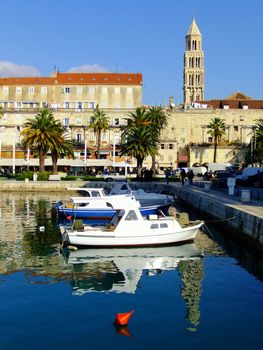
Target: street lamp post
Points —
{"points": [[14, 152]]}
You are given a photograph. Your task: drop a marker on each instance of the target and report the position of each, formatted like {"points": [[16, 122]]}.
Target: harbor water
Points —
{"points": [[201, 295]]}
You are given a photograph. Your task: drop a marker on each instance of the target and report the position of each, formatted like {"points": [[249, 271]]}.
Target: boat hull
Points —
{"points": [[93, 238]]}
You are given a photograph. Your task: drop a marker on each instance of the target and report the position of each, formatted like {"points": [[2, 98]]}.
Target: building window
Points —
{"points": [[18, 104], [31, 90], [171, 146], [43, 104], [91, 136], [67, 105], [79, 121], [162, 146], [116, 121], [210, 139], [66, 121], [5, 90], [79, 90], [104, 136], [79, 137], [116, 137], [18, 90], [31, 105], [79, 105], [182, 140], [91, 119], [43, 90], [91, 105], [236, 128], [67, 90]]}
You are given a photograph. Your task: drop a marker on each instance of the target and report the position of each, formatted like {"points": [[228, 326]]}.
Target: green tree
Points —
{"points": [[40, 134], [137, 138], [217, 129], [99, 123], [62, 147], [256, 142], [158, 120]]}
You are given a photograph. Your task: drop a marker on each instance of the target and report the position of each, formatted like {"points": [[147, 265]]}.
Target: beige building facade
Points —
{"points": [[72, 98]]}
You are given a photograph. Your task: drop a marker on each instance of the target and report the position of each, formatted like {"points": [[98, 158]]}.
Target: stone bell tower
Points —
{"points": [[193, 66]]}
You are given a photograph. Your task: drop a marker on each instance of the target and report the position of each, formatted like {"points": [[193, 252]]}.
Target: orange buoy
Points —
{"points": [[123, 319], [69, 217]]}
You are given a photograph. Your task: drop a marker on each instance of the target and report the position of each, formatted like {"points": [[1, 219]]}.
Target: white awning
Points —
{"points": [[124, 164], [98, 162], [9, 162]]}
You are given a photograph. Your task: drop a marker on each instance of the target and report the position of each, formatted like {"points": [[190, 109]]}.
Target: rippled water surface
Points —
{"points": [[203, 295]]}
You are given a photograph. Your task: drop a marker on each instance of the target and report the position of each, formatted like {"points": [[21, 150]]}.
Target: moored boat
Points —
{"points": [[100, 208], [129, 228]]}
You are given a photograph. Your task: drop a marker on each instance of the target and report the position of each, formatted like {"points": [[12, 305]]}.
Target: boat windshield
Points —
{"points": [[117, 217]]}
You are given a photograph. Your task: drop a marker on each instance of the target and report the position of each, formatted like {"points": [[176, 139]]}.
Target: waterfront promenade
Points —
{"points": [[243, 216]]}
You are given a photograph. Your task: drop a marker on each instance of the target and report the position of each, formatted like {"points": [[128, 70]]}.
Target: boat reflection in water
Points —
{"points": [[119, 270]]}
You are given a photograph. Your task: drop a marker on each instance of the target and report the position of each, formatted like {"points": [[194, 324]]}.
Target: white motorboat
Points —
{"points": [[119, 270], [129, 228], [145, 198]]}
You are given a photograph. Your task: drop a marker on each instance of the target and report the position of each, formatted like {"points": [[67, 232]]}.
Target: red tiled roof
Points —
{"points": [[78, 79], [234, 104], [236, 101]]}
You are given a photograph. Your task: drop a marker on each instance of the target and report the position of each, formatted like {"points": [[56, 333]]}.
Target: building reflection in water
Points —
{"points": [[23, 247]]}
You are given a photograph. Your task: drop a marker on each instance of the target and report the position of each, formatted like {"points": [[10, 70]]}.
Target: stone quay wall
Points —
{"points": [[242, 220]]}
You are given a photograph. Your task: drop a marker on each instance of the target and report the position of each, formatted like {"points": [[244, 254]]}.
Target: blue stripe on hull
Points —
{"points": [[106, 213]]}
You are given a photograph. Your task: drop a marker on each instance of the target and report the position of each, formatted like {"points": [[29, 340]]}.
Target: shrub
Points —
{"points": [[69, 178], [91, 178], [43, 176], [24, 175]]}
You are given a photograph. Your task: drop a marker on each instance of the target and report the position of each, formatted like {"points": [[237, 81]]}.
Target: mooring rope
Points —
{"points": [[220, 220]]}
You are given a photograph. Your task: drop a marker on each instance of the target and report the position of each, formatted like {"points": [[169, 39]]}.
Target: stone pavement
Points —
{"points": [[254, 207]]}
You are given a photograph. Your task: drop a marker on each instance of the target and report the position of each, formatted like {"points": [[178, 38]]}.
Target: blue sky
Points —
{"points": [[146, 36]]}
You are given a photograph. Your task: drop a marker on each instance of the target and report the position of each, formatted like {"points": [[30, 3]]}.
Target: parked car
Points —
{"points": [[220, 178], [253, 180]]}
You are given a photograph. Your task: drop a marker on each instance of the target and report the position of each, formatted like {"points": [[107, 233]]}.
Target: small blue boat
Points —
{"points": [[98, 209]]}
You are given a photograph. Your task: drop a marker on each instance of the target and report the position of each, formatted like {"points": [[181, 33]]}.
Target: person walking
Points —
{"points": [[190, 176], [183, 176], [167, 175]]}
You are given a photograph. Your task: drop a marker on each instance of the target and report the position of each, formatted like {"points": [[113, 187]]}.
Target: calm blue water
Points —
{"points": [[207, 295]]}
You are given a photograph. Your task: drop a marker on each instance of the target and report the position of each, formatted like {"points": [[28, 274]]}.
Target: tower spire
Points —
{"points": [[193, 65]]}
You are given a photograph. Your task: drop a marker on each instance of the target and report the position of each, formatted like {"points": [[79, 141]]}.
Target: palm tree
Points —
{"points": [[62, 147], [100, 122], [217, 129], [158, 120], [137, 139], [41, 134]]}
